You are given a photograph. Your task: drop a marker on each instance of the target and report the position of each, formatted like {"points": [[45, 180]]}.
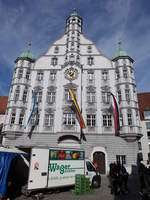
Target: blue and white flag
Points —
{"points": [[34, 103]]}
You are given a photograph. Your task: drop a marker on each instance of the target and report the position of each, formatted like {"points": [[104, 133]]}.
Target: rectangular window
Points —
{"points": [[89, 49], [117, 74], [56, 50], [121, 159], [91, 97], [24, 98], [21, 118], [104, 75], [39, 76], [20, 73], [49, 120], [17, 92], [125, 72], [139, 146], [90, 77], [13, 116], [90, 60], [68, 98], [129, 115], [69, 119], [106, 97], [119, 95], [91, 120], [127, 94], [107, 120], [121, 119], [54, 61], [50, 97], [28, 75], [52, 76], [39, 97]]}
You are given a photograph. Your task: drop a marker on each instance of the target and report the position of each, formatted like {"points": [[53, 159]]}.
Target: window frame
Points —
{"points": [[105, 97], [49, 120], [13, 117], [40, 76], [17, 93], [129, 118], [90, 60], [69, 119], [91, 97], [107, 120], [20, 73], [51, 97], [104, 74], [91, 120], [52, 76], [21, 118], [24, 97]]}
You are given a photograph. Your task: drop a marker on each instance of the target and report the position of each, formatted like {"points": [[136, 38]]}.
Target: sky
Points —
{"points": [[104, 22]]}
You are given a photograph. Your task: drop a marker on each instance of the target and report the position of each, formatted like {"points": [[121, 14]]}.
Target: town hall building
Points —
{"points": [[74, 62]]}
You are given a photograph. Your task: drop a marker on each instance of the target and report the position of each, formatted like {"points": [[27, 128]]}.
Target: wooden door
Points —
{"points": [[99, 158]]}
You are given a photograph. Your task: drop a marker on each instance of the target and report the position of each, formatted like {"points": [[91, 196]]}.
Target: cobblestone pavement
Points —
{"points": [[103, 193]]}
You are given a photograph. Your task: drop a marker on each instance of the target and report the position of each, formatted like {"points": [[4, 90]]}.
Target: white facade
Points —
{"points": [[74, 62], [144, 142]]}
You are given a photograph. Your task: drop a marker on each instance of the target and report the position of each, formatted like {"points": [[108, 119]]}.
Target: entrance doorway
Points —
{"points": [[99, 158]]}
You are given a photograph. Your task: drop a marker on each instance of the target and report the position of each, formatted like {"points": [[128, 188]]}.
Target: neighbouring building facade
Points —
{"points": [[74, 62], [144, 108]]}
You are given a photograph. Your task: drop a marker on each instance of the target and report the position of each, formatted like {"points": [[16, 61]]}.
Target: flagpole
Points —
{"points": [[81, 102]]}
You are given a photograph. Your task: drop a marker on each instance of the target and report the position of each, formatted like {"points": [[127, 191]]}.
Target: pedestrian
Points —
{"points": [[125, 176]]}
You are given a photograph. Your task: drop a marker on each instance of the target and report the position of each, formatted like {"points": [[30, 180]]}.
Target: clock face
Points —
{"points": [[71, 73]]}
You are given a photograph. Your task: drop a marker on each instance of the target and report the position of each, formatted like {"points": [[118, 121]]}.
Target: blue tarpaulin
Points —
{"points": [[5, 162]]}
